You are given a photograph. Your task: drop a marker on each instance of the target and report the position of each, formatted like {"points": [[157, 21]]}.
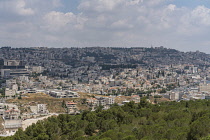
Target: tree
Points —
{"points": [[91, 117], [64, 104], [43, 136], [163, 90], [90, 129], [19, 97], [20, 135], [166, 120], [2, 91], [143, 103], [130, 137], [76, 134], [155, 101], [199, 128], [114, 135], [84, 100], [206, 138]]}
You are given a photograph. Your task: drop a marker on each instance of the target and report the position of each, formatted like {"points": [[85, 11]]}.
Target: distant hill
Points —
{"points": [[107, 57]]}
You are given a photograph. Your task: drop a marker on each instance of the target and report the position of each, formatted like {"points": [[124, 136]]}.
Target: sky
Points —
{"points": [[179, 24]]}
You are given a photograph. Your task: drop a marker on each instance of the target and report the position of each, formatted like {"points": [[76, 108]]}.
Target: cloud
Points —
{"points": [[201, 15], [57, 3], [134, 2], [21, 8], [121, 24], [18, 7], [171, 7], [58, 21], [103, 23], [99, 5]]}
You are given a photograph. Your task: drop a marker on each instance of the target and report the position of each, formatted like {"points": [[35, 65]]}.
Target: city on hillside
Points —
{"points": [[40, 82]]}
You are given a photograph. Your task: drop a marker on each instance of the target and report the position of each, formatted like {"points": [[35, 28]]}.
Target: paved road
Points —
{"points": [[29, 122]]}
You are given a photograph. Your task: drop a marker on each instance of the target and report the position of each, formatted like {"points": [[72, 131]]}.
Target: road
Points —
{"points": [[29, 122]]}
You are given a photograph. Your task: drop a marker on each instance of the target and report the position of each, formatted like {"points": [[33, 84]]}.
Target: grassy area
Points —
{"points": [[158, 100], [55, 104], [1, 126], [118, 99]]}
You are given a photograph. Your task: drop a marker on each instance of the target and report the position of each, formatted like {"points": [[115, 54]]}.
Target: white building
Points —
{"points": [[37, 69], [9, 92], [174, 96], [205, 87], [109, 100], [5, 73], [42, 109], [12, 114], [64, 94]]}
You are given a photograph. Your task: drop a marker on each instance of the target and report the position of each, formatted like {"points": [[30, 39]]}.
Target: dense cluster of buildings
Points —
{"points": [[105, 102], [108, 72], [176, 80], [63, 94], [13, 117]]}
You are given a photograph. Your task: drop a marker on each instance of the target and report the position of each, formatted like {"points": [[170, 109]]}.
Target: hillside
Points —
{"points": [[78, 63], [54, 105], [89, 56], [170, 120]]}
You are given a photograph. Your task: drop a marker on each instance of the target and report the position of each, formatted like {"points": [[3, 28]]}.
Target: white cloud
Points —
{"points": [[153, 2], [58, 21], [99, 5], [57, 3], [21, 8], [134, 2], [171, 7], [103, 23], [201, 15], [121, 24]]}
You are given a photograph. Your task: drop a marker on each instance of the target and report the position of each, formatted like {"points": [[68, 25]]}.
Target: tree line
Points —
{"points": [[185, 120]]}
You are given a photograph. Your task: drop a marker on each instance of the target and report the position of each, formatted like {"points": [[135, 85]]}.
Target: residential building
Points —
{"points": [[12, 114], [42, 109], [71, 107]]}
